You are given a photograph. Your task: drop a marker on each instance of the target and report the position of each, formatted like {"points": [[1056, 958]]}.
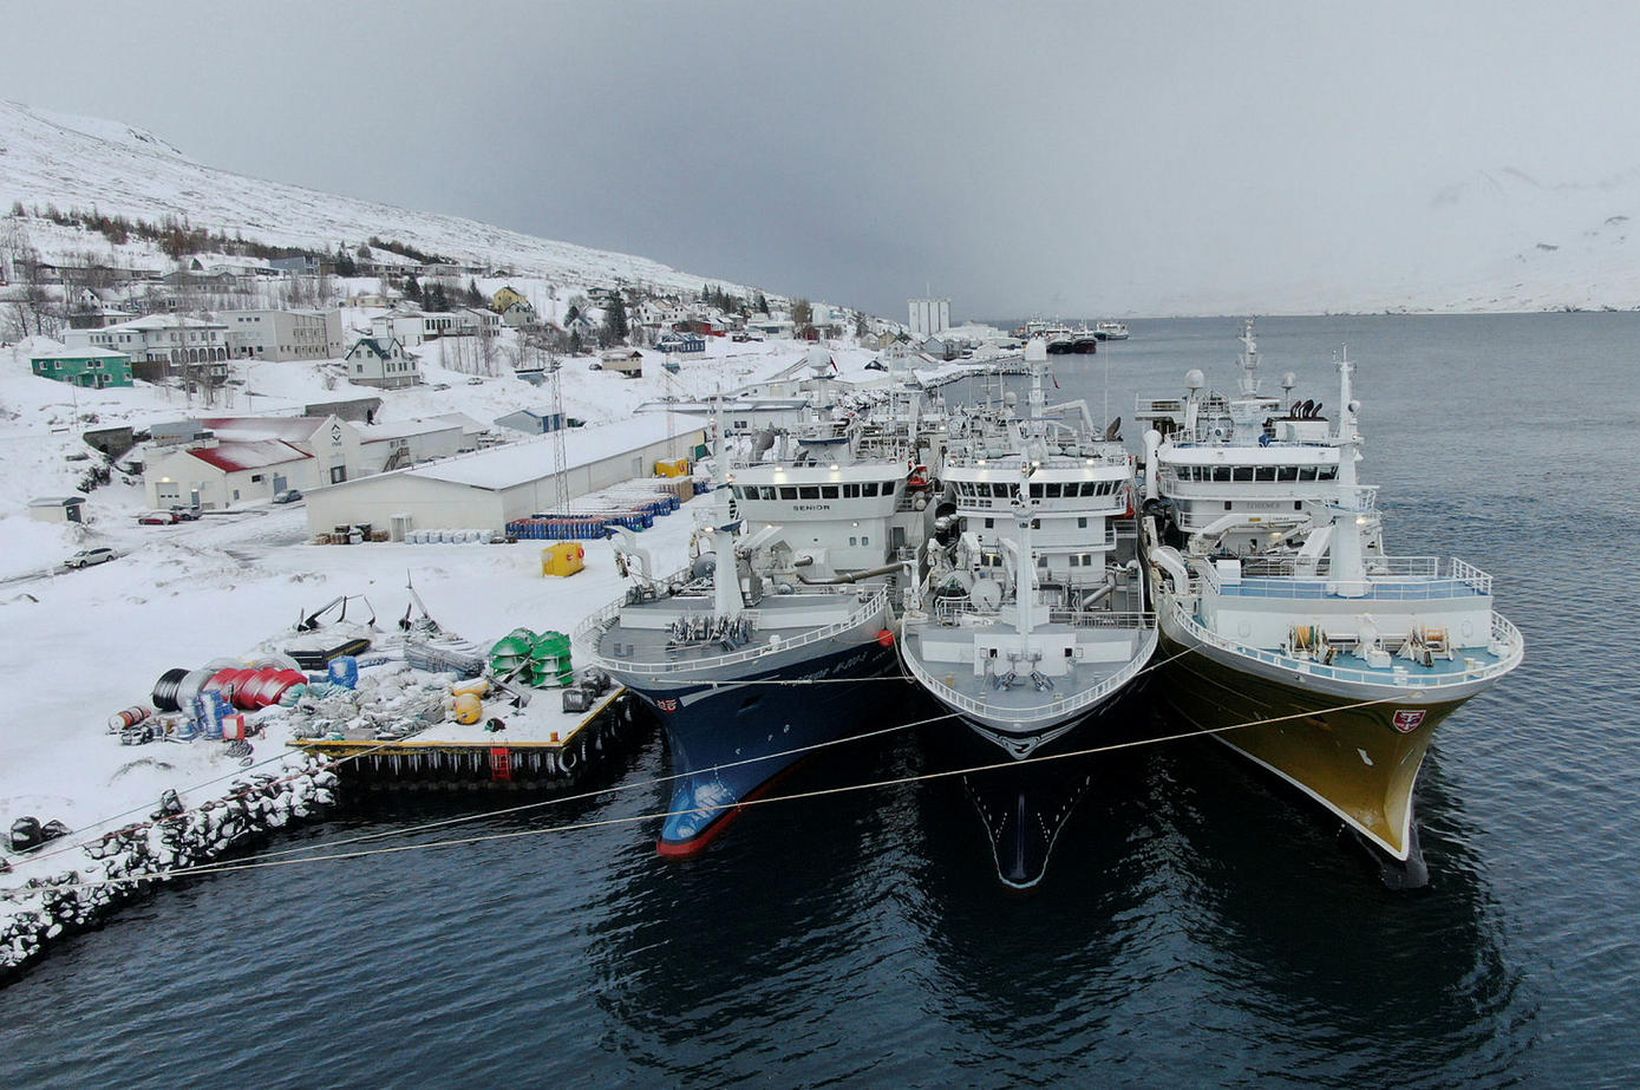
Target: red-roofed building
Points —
{"points": [[228, 473]]}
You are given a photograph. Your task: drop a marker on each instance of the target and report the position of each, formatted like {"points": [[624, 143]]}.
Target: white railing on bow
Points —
{"points": [[1047, 713], [1505, 636], [873, 604]]}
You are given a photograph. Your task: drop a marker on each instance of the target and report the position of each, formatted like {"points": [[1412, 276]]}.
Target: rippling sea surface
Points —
{"points": [[1198, 924]]}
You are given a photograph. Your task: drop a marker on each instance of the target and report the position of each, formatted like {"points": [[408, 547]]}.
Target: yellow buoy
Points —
{"points": [[467, 709]]}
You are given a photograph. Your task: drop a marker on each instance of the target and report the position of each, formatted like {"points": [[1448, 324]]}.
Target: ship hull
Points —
{"points": [[731, 741], [1360, 763]]}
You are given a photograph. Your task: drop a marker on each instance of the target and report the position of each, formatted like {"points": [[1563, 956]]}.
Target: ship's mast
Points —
{"points": [[1248, 361], [1024, 567], [1351, 511], [726, 597]]}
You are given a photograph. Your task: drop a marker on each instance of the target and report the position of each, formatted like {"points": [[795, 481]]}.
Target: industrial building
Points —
{"points": [[490, 488], [929, 317]]}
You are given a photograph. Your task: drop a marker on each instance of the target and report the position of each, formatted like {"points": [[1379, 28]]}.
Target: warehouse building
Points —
{"points": [[490, 488]]}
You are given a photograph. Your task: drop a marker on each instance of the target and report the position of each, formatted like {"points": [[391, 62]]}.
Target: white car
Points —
{"points": [[87, 558]]}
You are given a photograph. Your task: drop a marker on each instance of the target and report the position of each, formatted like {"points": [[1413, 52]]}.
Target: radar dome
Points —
{"points": [[1289, 380], [1194, 379]]}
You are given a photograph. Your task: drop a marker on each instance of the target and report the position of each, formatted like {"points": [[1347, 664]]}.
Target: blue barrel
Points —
{"points": [[344, 671], [209, 708]]}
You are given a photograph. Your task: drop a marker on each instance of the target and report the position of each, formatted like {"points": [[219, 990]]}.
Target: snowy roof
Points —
{"points": [[402, 429], [77, 354], [467, 424], [56, 501], [522, 463], [253, 428], [255, 455], [161, 321]]}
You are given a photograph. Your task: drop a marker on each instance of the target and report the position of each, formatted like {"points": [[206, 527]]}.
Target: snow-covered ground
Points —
{"points": [[181, 596]]}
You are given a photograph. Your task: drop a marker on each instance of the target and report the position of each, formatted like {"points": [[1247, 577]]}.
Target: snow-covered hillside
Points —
{"points": [[74, 162]]}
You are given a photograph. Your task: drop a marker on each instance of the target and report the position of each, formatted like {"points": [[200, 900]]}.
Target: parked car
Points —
{"points": [[157, 518], [86, 558], [288, 495], [185, 514], [475, 381]]}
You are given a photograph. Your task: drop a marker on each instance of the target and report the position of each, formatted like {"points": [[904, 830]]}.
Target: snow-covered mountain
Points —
{"points": [[76, 162]]}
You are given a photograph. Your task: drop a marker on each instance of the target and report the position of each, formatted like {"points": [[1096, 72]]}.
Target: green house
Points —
{"points": [[93, 368]]}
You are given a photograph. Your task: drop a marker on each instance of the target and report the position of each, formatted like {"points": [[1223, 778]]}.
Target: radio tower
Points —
{"points": [[560, 458]]}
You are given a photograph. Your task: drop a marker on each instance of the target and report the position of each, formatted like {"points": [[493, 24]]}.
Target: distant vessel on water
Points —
{"points": [[1273, 590], [1110, 331]]}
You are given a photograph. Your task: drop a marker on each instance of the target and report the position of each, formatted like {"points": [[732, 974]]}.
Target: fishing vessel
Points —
{"points": [[1274, 591], [1111, 331], [744, 654], [1032, 616]]}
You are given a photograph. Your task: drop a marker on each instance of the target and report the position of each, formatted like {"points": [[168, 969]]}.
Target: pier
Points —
{"points": [[537, 749]]}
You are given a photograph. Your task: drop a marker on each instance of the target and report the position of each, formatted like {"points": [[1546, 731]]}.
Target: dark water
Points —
{"points": [[1198, 926]]}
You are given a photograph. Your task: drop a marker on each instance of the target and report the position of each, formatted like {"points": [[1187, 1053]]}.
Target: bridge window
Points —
{"points": [[808, 492], [999, 491], [1221, 473], [828, 491], [1244, 473], [1286, 473], [1052, 490], [1265, 473], [851, 491], [1329, 473], [1036, 490], [788, 492], [870, 488], [1306, 473]]}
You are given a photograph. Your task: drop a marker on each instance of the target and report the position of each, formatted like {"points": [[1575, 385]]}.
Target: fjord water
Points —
{"points": [[1198, 925]]}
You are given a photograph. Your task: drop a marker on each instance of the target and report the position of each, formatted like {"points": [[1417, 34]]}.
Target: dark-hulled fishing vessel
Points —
{"points": [[1273, 590], [743, 655]]}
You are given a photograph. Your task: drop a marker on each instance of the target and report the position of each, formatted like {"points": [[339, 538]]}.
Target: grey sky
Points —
{"points": [[1076, 158]]}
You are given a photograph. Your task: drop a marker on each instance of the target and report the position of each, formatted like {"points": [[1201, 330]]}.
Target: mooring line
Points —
{"points": [[825, 792]]}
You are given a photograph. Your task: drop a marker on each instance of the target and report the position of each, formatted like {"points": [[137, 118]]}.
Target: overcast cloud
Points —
{"points": [[1076, 159]]}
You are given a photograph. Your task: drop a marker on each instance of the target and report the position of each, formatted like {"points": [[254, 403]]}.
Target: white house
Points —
{"points": [[770, 326], [158, 338], [520, 315], [373, 361], [283, 334], [414, 328]]}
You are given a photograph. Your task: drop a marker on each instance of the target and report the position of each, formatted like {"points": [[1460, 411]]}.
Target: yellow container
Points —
{"points": [[564, 558], [467, 709], [478, 686], [672, 467]]}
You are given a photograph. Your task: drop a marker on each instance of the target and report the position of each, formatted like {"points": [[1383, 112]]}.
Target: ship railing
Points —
{"points": [[1506, 646], [1410, 567], [1466, 572], [873, 603], [1053, 710]]}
